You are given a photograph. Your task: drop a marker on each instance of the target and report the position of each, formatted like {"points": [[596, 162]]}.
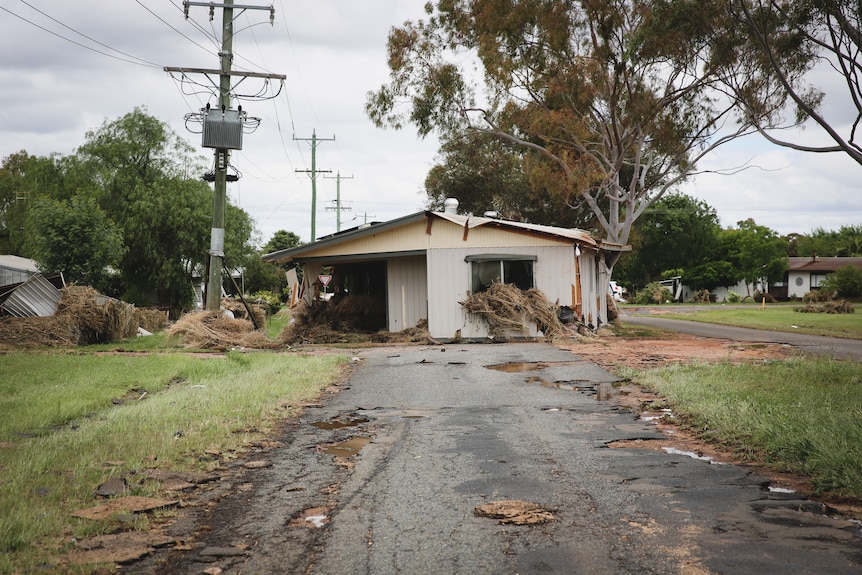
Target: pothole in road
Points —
{"points": [[602, 391], [347, 448], [518, 366], [340, 422]]}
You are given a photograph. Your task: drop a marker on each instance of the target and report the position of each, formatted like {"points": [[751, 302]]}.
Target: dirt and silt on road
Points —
{"points": [[219, 503]]}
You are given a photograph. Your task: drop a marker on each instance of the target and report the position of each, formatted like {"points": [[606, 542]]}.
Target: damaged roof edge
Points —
{"points": [[575, 235], [285, 256]]}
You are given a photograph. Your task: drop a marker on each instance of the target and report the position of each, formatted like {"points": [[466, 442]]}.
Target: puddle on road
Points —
{"points": [[340, 422], [347, 448], [518, 366], [603, 391]]}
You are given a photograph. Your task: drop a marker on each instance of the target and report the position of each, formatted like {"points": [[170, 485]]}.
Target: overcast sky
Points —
{"points": [[333, 52]]}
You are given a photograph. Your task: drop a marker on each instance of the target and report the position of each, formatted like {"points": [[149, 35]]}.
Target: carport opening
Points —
{"points": [[355, 300]]}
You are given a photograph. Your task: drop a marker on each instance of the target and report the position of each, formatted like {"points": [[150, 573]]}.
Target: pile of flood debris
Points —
{"points": [[506, 308], [831, 306], [222, 329], [83, 316], [347, 319]]}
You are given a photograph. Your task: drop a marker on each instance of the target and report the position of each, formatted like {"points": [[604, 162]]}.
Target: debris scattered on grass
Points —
{"points": [[130, 504], [212, 330], [83, 317], [515, 512], [839, 306]]}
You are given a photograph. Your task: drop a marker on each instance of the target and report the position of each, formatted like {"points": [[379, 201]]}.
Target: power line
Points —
{"points": [[169, 25], [140, 62]]}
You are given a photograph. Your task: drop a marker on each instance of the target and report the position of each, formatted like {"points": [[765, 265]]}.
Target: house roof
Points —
{"points": [[18, 263], [819, 264], [573, 235]]}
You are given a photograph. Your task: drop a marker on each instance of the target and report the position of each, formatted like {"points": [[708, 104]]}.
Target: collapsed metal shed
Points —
{"points": [[35, 297]]}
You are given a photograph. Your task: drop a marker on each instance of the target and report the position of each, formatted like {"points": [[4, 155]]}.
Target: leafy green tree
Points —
{"points": [[755, 251], [281, 240], [711, 275], [267, 276], [845, 282], [490, 175], [846, 242], [146, 179], [23, 180], [678, 231], [76, 238], [615, 99], [788, 39]]}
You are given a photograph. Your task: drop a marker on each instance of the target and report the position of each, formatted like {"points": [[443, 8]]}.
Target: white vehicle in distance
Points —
{"points": [[616, 291]]}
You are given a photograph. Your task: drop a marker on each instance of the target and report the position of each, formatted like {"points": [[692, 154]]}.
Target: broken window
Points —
{"points": [[508, 269]]}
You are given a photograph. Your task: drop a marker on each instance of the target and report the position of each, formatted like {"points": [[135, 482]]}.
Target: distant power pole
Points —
{"points": [[313, 171], [338, 207], [222, 129]]}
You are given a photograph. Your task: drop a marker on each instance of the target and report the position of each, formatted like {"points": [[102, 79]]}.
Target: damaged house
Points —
{"points": [[417, 269]]}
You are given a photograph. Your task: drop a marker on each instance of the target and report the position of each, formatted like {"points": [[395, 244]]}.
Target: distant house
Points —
{"points": [[419, 267], [807, 273]]}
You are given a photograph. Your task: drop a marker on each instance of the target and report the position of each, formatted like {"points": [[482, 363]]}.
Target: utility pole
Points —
{"points": [[222, 129], [313, 171], [338, 207]]}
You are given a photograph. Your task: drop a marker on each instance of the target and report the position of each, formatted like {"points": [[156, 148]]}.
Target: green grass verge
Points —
{"points": [[776, 318], [801, 416], [64, 415]]}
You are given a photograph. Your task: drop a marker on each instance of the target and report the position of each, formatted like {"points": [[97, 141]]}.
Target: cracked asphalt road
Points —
{"points": [[447, 434]]}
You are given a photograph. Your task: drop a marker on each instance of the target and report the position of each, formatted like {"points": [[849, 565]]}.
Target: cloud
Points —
{"points": [[333, 53]]}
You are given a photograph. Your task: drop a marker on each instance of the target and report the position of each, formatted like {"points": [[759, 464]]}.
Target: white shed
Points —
{"points": [[422, 265]]}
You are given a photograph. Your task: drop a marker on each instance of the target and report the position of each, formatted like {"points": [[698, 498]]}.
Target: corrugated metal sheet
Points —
{"points": [[407, 287], [15, 269], [471, 222], [35, 297]]}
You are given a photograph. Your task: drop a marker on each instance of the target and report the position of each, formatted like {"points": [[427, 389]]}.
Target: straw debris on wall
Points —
{"points": [[507, 309]]}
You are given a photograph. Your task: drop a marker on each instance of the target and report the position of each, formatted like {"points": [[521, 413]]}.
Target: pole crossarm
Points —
{"points": [[215, 72], [212, 6]]}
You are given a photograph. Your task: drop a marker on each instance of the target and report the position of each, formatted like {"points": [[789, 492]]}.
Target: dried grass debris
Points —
{"points": [[83, 316], [343, 319], [506, 309], [212, 330], [839, 306]]}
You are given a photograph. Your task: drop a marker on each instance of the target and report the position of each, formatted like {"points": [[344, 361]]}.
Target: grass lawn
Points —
{"points": [[775, 317], [802, 416], [72, 420]]}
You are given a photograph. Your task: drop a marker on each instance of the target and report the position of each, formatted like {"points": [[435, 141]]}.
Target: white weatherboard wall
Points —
{"points": [[449, 282], [406, 291]]}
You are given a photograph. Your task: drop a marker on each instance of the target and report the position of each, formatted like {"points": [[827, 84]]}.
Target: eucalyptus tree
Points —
{"points": [[616, 100], [791, 40]]}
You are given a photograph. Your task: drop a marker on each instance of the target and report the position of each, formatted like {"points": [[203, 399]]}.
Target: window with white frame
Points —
{"points": [[817, 279], [487, 269]]}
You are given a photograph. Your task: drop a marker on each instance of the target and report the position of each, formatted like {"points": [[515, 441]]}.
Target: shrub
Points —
{"points": [[267, 300], [733, 297], [653, 293], [846, 282], [702, 296], [819, 295]]}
